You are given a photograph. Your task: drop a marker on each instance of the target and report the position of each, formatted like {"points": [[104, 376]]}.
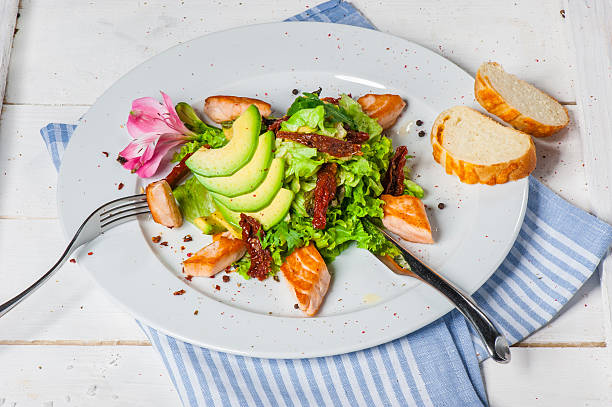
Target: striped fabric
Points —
{"points": [[56, 137], [558, 248]]}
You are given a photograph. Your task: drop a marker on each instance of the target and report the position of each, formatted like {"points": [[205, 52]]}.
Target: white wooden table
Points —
{"points": [[70, 345]]}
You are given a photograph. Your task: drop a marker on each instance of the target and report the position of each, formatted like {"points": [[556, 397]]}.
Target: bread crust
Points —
{"points": [[495, 104], [471, 173]]}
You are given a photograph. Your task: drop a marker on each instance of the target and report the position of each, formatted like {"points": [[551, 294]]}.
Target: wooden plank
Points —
{"points": [[8, 18], [560, 164], [591, 29], [580, 321], [550, 377], [28, 190], [65, 376], [44, 71], [28, 178], [27, 171], [70, 307], [134, 376], [74, 63]]}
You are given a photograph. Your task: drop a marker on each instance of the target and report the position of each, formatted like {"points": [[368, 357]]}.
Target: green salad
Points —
{"points": [[257, 168]]}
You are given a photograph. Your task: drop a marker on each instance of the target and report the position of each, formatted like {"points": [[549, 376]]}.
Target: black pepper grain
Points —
{"points": [[441, 205], [295, 91], [275, 277], [296, 306], [421, 133], [419, 122]]}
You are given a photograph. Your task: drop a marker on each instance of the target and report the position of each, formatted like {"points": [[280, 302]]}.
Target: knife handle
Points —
{"points": [[494, 341]]}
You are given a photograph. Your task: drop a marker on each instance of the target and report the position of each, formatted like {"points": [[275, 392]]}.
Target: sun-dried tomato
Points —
{"points": [[356, 137], [323, 194], [333, 101], [393, 181], [261, 259], [179, 172], [275, 125], [325, 144]]}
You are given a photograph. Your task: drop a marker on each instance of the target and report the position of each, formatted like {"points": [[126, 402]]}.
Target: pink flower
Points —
{"points": [[155, 129]]}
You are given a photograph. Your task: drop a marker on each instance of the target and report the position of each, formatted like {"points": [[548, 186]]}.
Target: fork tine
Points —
{"points": [[125, 205], [114, 220], [120, 202], [126, 209]]}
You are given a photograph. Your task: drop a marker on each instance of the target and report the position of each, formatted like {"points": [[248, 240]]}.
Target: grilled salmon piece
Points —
{"points": [[406, 217], [384, 108], [162, 204], [308, 276], [222, 108], [208, 261]]}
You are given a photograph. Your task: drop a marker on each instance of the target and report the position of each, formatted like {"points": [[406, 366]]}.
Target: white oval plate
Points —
{"points": [[366, 305]]}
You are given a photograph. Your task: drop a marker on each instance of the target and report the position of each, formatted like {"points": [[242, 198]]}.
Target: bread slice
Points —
{"points": [[478, 149], [517, 102]]}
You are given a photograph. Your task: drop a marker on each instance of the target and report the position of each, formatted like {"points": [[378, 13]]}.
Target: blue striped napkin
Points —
{"points": [[557, 250]]}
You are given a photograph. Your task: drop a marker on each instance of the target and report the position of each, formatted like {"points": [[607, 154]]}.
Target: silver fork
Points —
{"points": [[107, 216], [494, 341]]}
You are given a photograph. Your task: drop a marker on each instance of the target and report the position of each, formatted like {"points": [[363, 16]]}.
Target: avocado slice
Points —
{"points": [[268, 216], [248, 177], [262, 195], [208, 225], [224, 161]]}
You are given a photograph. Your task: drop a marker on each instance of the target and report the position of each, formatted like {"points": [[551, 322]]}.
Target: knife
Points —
{"points": [[494, 341]]}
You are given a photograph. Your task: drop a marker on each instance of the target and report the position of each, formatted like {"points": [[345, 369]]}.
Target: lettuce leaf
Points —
{"points": [[312, 118], [356, 205], [306, 101], [412, 188], [214, 138], [333, 114], [194, 200], [242, 266], [362, 121], [300, 161]]}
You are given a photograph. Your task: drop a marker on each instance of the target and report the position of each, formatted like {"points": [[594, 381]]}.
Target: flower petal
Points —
{"points": [[150, 166], [155, 129], [140, 124], [132, 164], [174, 121], [132, 150]]}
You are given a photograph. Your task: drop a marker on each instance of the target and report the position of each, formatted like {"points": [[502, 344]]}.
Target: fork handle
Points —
{"points": [[10, 304], [494, 341]]}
